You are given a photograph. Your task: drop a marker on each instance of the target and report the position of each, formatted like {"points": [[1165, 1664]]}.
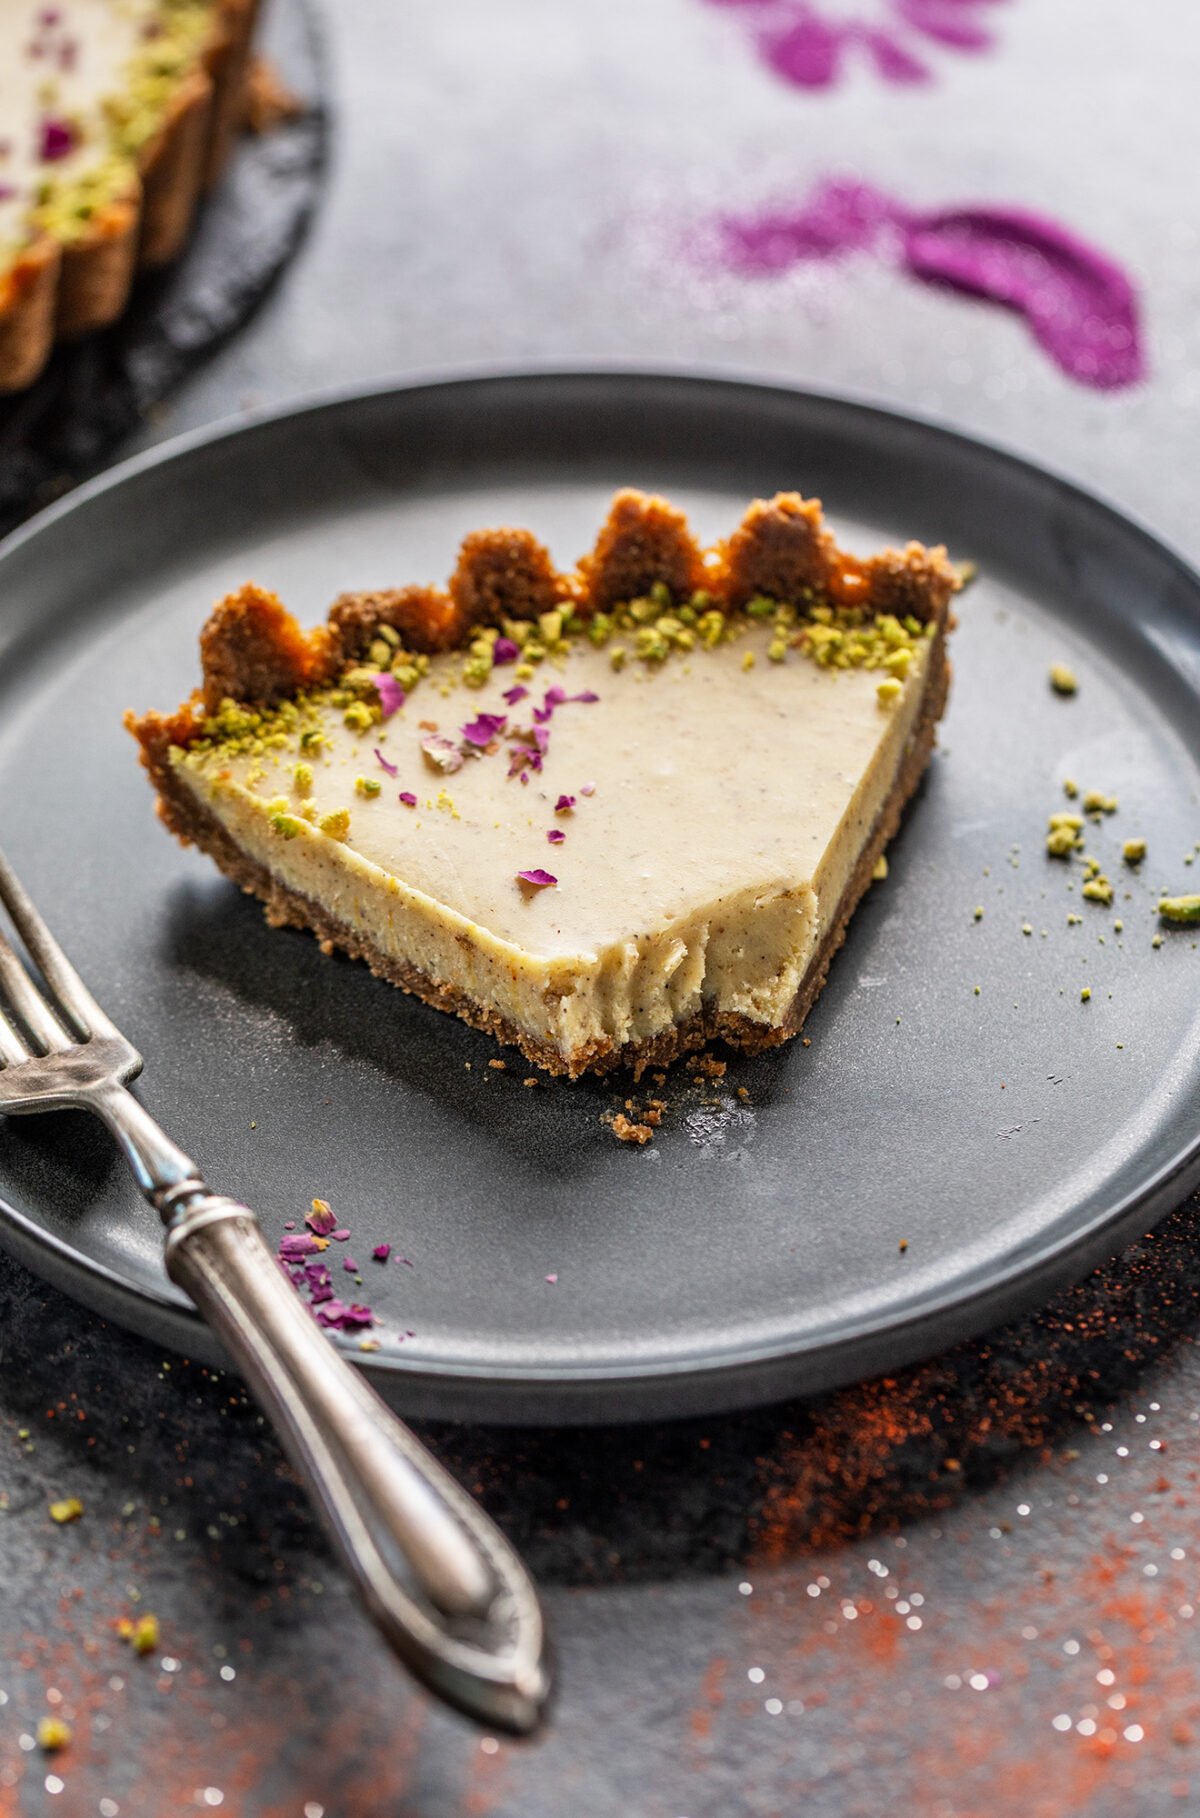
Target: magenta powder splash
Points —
{"points": [[800, 42], [1079, 304]]}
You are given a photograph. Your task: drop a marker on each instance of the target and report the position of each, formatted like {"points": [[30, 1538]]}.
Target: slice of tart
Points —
{"points": [[114, 115], [606, 815]]}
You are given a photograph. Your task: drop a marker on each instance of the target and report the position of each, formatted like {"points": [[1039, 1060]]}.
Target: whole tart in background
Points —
{"points": [[115, 116]]}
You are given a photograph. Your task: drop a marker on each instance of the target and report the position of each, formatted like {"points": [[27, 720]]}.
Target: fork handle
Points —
{"points": [[447, 1590]]}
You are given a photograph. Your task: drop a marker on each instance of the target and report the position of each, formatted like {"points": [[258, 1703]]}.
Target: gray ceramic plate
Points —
{"points": [[1009, 1137]]}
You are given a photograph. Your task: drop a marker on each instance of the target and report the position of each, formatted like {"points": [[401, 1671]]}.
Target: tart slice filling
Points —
{"points": [[607, 815]]}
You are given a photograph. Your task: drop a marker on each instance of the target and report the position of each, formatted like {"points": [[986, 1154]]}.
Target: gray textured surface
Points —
{"points": [[504, 184]]}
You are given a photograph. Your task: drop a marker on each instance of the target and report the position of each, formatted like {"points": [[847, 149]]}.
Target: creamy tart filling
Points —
{"points": [[699, 820]]}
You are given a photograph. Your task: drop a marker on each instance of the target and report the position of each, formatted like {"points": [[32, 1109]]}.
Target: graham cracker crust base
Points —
{"points": [[193, 825]]}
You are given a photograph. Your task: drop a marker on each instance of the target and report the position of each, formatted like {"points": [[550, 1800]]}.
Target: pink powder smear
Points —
{"points": [[1078, 303], [808, 42]]}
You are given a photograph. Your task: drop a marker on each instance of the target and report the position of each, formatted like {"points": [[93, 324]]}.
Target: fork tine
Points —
{"points": [[70, 993], [19, 993], [12, 1049]]}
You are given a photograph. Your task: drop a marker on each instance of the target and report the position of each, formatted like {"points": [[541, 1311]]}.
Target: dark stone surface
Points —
{"points": [[97, 391], [721, 1590]]}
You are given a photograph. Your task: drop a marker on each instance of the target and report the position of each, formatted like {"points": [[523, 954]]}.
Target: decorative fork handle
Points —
{"points": [[447, 1590]]}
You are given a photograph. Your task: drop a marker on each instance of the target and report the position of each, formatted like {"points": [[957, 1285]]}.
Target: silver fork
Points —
{"points": [[447, 1590]]}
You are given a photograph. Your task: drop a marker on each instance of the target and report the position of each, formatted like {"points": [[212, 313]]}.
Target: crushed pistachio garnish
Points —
{"points": [[1097, 889], [881, 868], [69, 1509], [286, 825], [1085, 994], [1062, 679], [302, 778], [1095, 802], [336, 824], [978, 912], [888, 691], [53, 1733], [366, 785], [1184, 910], [1070, 788], [144, 1634], [1133, 851], [1064, 835]]}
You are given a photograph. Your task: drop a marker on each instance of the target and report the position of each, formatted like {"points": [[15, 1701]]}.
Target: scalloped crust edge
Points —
{"points": [[55, 292], [252, 649]]}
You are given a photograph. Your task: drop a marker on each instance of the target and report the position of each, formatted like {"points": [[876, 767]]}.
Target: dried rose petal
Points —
{"points": [[295, 1249], [525, 757], [537, 878], [321, 1219], [442, 753], [57, 140], [505, 651], [556, 836], [391, 695], [381, 1252], [513, 695], [332, 1313], [564, 803], [392, 769], [484, 728], [408, 798], [587, 788]]}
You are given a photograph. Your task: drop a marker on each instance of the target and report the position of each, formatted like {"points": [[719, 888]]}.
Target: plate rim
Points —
{"points": [[684, 1384]]}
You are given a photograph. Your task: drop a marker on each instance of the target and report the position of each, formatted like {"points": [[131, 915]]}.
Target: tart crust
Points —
{"points": [[254, 652], [54, 292]]}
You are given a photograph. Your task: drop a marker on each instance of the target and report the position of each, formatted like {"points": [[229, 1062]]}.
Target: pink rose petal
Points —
{"points": [[391, 695], [442, 753], [56, 141], [537, 878], [484, 728], [392, 769]]}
